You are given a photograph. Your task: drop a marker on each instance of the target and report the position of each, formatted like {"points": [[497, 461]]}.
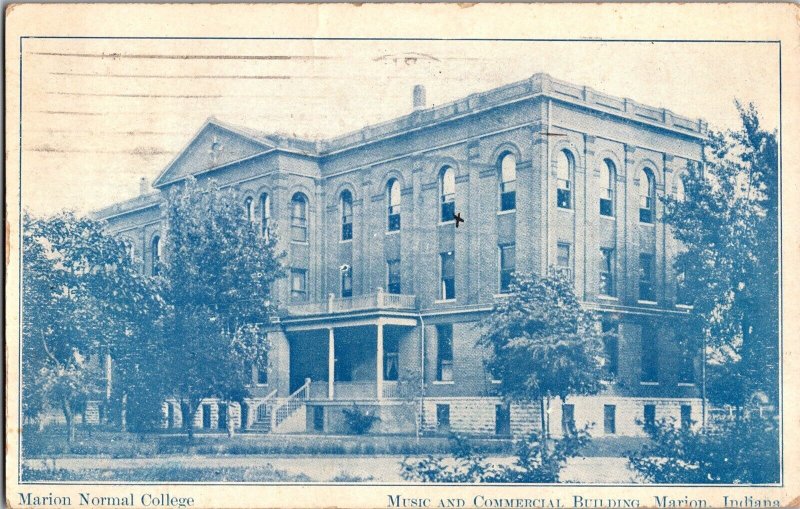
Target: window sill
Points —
{"points": [[392, 232], [610, 298], [567, 209], [495, 382], [445, 223], [301, 242], [345, 241], [444, 301], [646, 224], [443, 382], [687, 384], [506, 212], [650, 384], [609, 218], [647, 302], [687, 307]]}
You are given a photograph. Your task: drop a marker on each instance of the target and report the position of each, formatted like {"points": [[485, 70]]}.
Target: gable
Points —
{"points": [[213, 146]]}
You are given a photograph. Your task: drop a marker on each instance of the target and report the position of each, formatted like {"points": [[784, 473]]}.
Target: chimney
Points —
{"points": [[144, 186], [419, 97]]}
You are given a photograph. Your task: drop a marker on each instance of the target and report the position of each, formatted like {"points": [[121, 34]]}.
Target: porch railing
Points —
{"points": [[365, 389], [390, 389], [377, 300]]}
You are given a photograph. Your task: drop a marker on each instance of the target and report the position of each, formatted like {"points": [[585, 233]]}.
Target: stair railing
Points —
{"points": [[287, 407]]}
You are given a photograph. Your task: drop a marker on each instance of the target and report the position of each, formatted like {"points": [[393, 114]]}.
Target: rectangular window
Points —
{"points": [[686, 416], [391, 367], [568, 419], [649, 354], [448, 272], [646, 209], [448, 210], [646, 283], [318, 418], [564, 194], [393, 276], [444, 353], [611, 347], [206, 411], [607, 202], [508, 264], [563, 257], [508, 195], [394, 219], [686, 372], [347, 231], [299, 229], [222, 416], [259, 375], [681, 293], [649, 416], [502, 419], [347, 282], [607, 271], [299, 292], [443, 418], [609, 419]]}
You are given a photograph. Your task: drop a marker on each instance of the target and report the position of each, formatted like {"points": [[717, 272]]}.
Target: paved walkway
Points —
{"points": [[326, 468]]}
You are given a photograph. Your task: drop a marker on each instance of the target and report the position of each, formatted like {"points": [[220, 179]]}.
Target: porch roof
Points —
{"points": [[367, 309]]}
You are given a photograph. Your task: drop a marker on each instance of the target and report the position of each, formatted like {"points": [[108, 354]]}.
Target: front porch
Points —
{"points": [[359, 360]]}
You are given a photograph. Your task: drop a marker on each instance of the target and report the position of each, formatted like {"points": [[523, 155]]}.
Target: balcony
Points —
{"points": [[352, 391], [379, 300]]}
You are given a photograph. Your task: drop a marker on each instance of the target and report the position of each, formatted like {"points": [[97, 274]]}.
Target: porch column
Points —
{"points": [[379, 360], [331, 362]]}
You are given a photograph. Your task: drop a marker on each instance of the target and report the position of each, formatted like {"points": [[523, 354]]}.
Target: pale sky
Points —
{"points": [[100, 114]]}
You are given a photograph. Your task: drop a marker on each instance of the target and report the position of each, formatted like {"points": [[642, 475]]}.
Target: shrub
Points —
{"points": [[358, 421], [537, 461], [742, 451]]}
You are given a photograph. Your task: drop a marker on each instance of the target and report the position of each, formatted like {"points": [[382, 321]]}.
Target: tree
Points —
{"points": [[218, 274], [734, 452], [543, 344], [728, 226], [82, 299]]}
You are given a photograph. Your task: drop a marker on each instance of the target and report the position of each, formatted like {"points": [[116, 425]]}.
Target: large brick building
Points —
{"points": [[381, 283]]}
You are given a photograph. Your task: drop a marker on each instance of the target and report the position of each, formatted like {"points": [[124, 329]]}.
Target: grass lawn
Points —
{"points": [[182, 473], [98, 442]]}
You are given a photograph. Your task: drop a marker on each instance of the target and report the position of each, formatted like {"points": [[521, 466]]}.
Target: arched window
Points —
{"points": [[447, 191], [508, 182], [299, 218], [564, 170], [346, 203], [607, 184], [263, 207], [248, 209], [393, 208], [647, 196], [155, 255]]}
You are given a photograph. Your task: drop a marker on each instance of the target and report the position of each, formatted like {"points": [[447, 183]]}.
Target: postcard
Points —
{"points": [[401, 256]]}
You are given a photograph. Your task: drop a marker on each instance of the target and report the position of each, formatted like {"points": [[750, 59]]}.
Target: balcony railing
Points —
{"points": [[378, 300], [363, 389]]}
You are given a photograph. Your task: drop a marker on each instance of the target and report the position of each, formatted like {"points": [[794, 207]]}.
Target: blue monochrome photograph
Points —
{"points": [[398, 262]]}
